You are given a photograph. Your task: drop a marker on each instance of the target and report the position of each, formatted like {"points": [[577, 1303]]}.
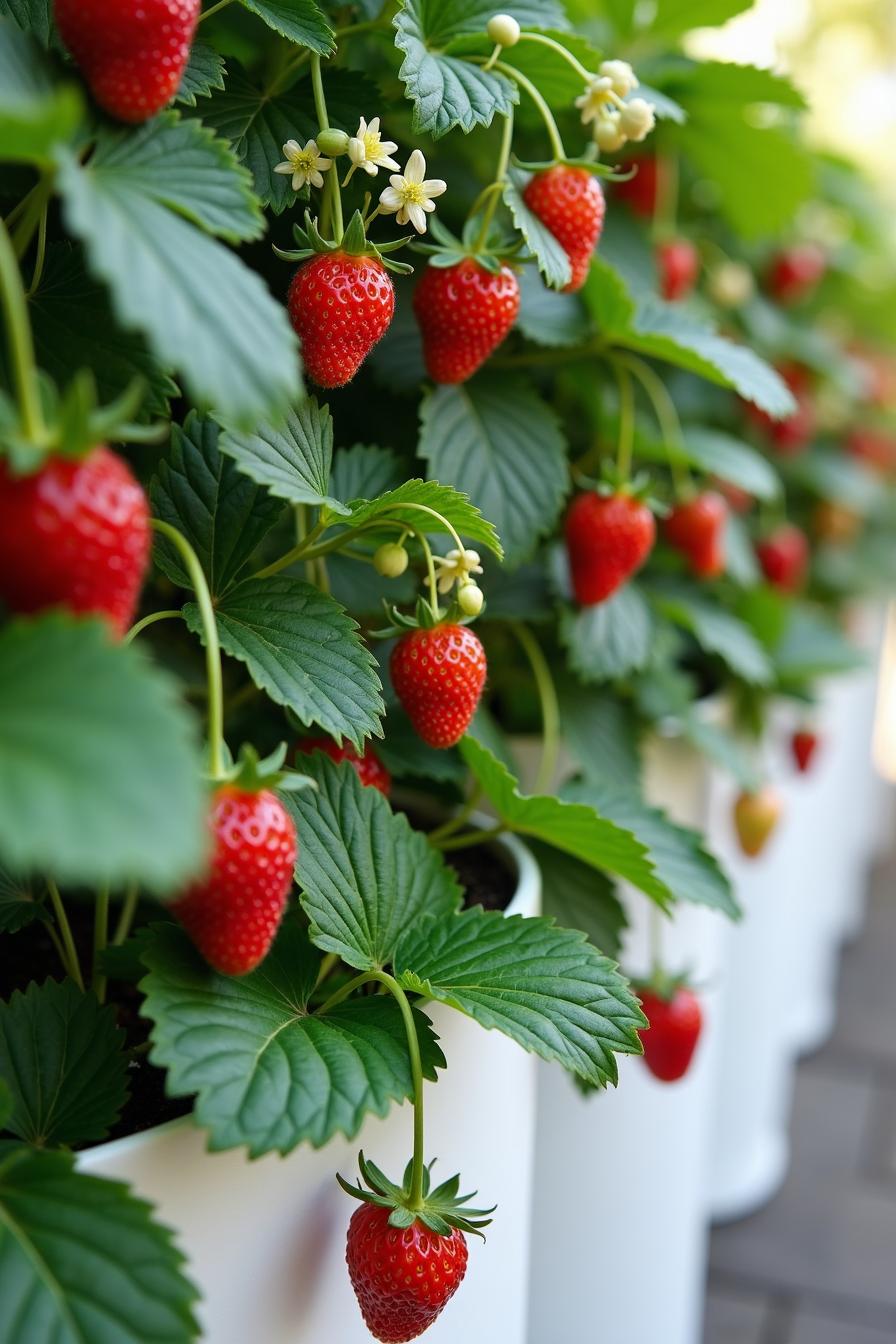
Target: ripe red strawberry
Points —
{"points": [[403, 1277], [876, 447], [678, 266], [464, 313], [74, 534], [570, 203], [697, 528], [340, 306], [795, 272], [671, 1038], [792, 434], [438, 676], [234, 911], [369, 768], [803, 744], [641, 192], [608, 537], [784, 557], [132, 55], [755, 817]]}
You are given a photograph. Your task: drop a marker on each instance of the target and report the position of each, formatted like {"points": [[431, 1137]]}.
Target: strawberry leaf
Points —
{"points": [[578, 897], [716, 631], [292, 457], [301, 21], [36, 113], [401, 503], [204, 74], [267, 1071], [611, 639], [19, 906], [552, 259]]}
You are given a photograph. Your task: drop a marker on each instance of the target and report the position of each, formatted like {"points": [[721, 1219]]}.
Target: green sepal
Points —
{"points": [[663, 983], [354, 240], [440, 1211], [253, 774], [425, 617], [583, 161]]}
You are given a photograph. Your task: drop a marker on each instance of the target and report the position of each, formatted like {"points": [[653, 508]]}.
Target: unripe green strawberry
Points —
{"points": [[569, 202], [340, 306], [464, 312], [438, 675]]}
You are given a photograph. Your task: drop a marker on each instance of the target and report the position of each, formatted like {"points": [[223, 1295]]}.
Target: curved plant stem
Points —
{"points": [[100, 940], [655, 935], [40, 256], [550, 708], [304, 549], [73, 965], [212, 646], [666, 417], [457, 821], [391, 984], [558, 47], [547, 115], [328, 963], [222, 4], [31, 216], [471, 838], [626, 420], [332, 211], [126, 914], [151, 619], [424, 508], [500, 178], [430, 568], [21, 345]]}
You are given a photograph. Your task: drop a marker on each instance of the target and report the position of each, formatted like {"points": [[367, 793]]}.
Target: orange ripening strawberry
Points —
{"points": [[75, 533], [438, 675], [608, 538], [133, 55], [232, 913], [669, 1042], [340, 305], [678, 266], [834, 522], [697, 529], [464, 312], [755, 817], [569, 202], [784, 558], [369, 768]]}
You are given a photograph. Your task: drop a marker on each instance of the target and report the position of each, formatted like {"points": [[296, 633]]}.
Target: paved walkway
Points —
{"points": [[818, 1264]]}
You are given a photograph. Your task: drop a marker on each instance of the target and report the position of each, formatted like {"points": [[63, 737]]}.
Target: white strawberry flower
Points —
{"points": [[608, 132], [637, 119], [410, 196], [456, 567], [303, 164], [594, 101], [622, 77], [368, 150]]}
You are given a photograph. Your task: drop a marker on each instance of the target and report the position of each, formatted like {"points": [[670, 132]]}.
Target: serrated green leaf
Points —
{"points": [[74, 327], [34, 17], [62, 1056], [19, 906], [363, 471], [740, 557], [299, 20], [221, 512], [500, 443], [35, 112], [267, 1071], [731, 460], [579, 897], [812, 646], [717, 631], [546, 988], [291, 457], [552, 259], [575, 829], [204, 74], [689, 871], [81, 1258], [548, 318], [302, 649], [365, 875], [554, 77], [98, 758], [5, 1104], [443, 499], [201, 309], [608, 640], [601, 731], [607, 298]]}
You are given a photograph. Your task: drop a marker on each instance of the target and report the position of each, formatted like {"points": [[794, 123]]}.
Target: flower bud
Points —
{"points": [[731, 284], [503, 30], [621, 76], [637, 119], [391, 560], [333, 143], [469, 599], [608, 132]]}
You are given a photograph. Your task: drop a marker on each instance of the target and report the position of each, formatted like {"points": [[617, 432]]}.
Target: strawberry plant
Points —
{"points": [[332, 465]]}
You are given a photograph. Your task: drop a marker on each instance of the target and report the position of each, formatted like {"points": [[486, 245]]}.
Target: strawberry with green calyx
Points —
{"points": [[407, 1253], [233, 911], [341, 300], [696, 527], [675, 1020], [570, 204], [610, 532], [466, 302]]}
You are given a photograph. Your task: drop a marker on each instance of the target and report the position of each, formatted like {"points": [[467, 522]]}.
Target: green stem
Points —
{"points": [[332, 211], [31, 217], [151, 619], [626, 421], [430, 568], [666, 417], [472, 838], [126, 914], [328, 963], [500, 178], [212, 647], [356, 29], [21, 345], [558, 47], [456, 822], [655, 936], [424, 508], [550, 708], [664, 223], [391, 984], [38, 271], [303, 550], [546, 115], [73, 965], [206, 14], [100, 940]]}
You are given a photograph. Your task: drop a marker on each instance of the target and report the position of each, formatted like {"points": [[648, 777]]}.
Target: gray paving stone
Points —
{"points": [[867, 997], [734, 1317], [810, 1329]]}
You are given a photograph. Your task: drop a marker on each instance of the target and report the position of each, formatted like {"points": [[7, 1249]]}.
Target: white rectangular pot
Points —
{"points": [[265, 1239], [624, 1170]]}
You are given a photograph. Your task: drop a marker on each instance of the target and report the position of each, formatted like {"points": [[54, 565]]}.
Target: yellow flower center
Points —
{"points": [[412, 193], [371, 141], [305, 160]]}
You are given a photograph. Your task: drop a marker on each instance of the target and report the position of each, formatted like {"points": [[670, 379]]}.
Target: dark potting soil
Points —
{"points": [[485, 876]]}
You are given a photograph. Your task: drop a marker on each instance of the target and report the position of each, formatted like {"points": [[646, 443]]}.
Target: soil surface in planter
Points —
{"points": [[484, 875]]}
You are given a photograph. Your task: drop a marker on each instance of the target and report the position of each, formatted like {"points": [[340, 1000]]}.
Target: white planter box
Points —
{"points": [[266, 1239], [625, 1170]]}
